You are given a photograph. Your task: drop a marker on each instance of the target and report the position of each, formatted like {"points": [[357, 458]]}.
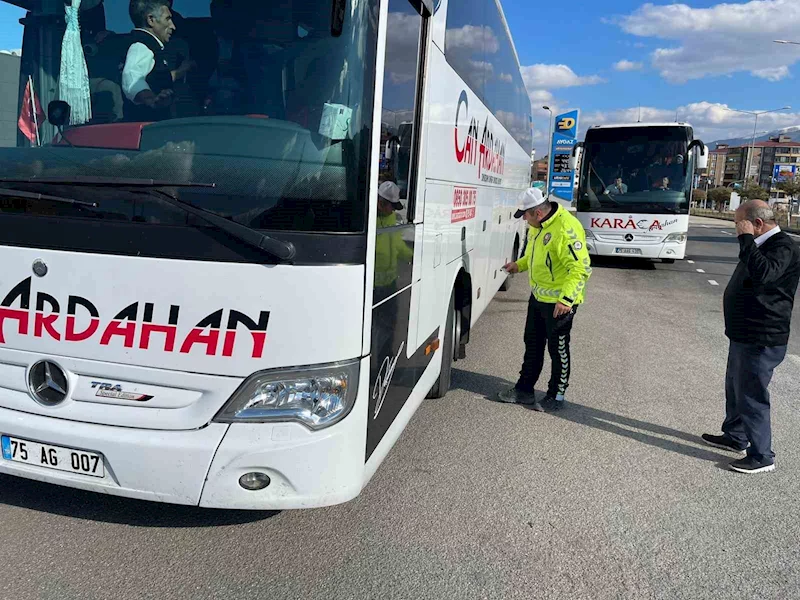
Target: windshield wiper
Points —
{"points": [[284, 251], [7, 193], [108, 182]]}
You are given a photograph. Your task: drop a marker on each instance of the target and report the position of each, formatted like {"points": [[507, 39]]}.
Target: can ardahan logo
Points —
{"points": [[489, 155], [135, 326]]}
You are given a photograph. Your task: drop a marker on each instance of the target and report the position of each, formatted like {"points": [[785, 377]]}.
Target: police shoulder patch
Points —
{"points": [[547, 238], [578, 246]]}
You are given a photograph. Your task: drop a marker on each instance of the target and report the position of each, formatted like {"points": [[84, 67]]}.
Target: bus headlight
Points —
{"points": [[676, 237], [589, 234], [317, 397]]}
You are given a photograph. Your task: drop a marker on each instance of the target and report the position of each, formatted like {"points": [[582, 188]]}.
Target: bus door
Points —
{"points": [[398, 357]]}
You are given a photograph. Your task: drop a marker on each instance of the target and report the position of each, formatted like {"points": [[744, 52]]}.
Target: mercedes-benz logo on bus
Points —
{"points": [[39, 268], [48, 383], [628, 237]]}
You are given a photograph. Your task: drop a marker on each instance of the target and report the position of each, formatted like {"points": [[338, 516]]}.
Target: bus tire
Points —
{"points": [[442, 386]]}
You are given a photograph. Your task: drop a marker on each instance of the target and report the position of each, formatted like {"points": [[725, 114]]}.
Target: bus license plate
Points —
{"points": [[52, 457], [629, 250]]}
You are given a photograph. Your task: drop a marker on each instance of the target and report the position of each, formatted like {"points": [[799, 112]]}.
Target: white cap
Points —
{"points": [[389, 191], [530, 198]]}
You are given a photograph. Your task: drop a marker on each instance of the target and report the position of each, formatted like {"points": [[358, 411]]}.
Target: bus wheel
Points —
{"points": [[442, 386]]}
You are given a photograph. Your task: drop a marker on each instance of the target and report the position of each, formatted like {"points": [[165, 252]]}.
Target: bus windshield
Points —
{"points": [[636, 169], [269, 100]]}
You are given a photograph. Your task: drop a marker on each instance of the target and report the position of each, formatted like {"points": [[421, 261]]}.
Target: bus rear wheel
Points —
{"points": [[442, 385]]}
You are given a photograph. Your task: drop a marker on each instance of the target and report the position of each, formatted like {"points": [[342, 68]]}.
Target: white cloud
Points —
{"points": [[540, 79], [481, 70], [627, 65], [555, 76], [723, 39], [541, 96], [773, 73], [472, 38], [506, 77], [403, 33], [711, 121]]}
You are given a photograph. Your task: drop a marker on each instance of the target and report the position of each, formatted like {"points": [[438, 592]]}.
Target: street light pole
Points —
{"points": [[549, 148], [755, 114]]}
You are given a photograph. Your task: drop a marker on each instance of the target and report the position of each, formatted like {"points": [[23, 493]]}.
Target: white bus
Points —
{"points": [[213, 307], [635, 188]]}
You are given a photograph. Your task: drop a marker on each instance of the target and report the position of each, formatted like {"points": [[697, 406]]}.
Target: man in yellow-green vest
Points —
{"points": [[390, 248], [558, 263]]}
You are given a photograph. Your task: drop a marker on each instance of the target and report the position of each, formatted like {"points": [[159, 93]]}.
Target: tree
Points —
{"points": [[753, 191], [698, 197], [791, 187], [720, 197]]}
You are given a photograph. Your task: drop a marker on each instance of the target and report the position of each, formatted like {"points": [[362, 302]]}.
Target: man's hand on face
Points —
{"points": [[744, 227]]}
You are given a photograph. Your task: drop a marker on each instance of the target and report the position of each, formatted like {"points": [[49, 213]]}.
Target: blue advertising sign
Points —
{"points": [[565, 136], [784, 173]]}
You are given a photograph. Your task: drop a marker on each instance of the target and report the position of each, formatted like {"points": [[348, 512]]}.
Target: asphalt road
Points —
{"points": [[612, 498]]}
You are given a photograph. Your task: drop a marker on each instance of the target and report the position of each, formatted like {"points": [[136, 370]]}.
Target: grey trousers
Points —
{"points": [[747, 408]]}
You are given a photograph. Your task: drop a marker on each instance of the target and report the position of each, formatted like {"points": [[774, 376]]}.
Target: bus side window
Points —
{"points": [[403, 39]]}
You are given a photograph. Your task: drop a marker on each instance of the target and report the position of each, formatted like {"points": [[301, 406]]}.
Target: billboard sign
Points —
{"points": [[565, 136], [784, 173]]}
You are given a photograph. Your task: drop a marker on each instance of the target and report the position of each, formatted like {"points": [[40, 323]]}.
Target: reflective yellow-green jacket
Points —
{"points": [[390, 249], [557, 259]]}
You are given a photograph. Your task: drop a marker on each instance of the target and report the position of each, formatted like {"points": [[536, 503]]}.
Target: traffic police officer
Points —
{"points": [[558, 262]]}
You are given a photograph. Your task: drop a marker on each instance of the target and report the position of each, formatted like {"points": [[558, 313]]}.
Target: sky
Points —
{"points": [[607, 58], [694, 59]]}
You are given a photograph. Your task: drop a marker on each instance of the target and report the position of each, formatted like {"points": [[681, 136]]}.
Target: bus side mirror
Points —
{"points": [[702, 161], [58, 113], [574, 157], [701, 156]]}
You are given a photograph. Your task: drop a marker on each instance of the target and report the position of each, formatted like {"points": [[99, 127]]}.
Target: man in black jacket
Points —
{"points": [[758, 311]]}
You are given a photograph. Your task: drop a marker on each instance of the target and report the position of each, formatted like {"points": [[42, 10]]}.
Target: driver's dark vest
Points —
{"points": [[159, 79]]}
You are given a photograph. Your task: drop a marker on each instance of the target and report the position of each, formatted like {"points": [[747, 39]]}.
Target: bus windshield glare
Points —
{"points": [[270, 101], [636, 169]]}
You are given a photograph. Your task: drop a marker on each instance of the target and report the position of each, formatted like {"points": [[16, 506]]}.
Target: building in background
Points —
{"points": [[539, 171], [716, 166], [9, 97], [768, 162]]}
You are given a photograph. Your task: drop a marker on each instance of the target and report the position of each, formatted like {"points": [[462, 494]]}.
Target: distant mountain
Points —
{"points": [[793, 132]]}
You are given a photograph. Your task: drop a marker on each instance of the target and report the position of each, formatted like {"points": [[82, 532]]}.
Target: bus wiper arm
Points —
{"points": [[119, 182], [7, 193], [282, 250]]}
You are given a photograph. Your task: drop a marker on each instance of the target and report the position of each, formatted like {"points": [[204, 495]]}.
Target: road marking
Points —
{"points": [[727, 232], [700, 271], [712, 282], [691, 262]]}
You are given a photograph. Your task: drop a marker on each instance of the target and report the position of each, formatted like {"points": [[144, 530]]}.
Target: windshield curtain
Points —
{"points": [[636, 169], [263, 98]]}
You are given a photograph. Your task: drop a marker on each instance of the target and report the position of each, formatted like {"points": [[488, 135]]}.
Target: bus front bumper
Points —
{"points": [[203, 467], [662, 250]]}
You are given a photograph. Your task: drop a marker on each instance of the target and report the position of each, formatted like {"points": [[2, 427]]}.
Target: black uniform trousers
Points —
{"points": [[543, 329]]}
